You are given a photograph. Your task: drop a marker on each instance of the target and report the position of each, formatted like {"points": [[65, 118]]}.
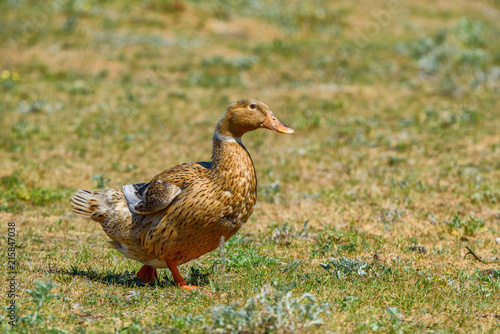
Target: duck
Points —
{"points": [[190, 209]]}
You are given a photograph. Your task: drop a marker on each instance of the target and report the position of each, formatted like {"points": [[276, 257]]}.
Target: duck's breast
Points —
{"points": [[203, 212]]}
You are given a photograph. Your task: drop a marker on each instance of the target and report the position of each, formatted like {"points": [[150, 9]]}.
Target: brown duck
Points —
{"points": [[186, 210]]}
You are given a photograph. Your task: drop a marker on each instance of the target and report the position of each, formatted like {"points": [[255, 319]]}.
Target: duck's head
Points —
{"points": [[248, 115]]}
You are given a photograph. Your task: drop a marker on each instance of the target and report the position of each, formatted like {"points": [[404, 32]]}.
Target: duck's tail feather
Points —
{"points": [[84, 203], [102, 205]]}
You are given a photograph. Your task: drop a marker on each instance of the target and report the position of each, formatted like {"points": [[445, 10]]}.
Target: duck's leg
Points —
{"points": [[147, 274], [172, 265]]}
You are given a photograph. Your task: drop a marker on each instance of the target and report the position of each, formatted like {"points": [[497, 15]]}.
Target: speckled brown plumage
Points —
{"points": [[185, 210]]}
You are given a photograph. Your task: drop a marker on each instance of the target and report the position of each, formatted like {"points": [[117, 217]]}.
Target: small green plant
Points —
{"points": [[458, 58], [470, 33], [490, 196], [74, 10], [323, 248], [391, 216], [243, 259], [349, 303], [468, 227], [221, 72], [12, 181], [271, 192], [291, 267], [186, 323], [395, 314], [8, 79], [41, 296], [325, 242], [346, 267], [14, 193], [101, 181], [197, 277], [282, 234], [270, 311], [239, 63], [347, 248], [336, 242]]}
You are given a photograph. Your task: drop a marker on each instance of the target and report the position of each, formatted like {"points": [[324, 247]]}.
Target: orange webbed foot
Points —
{"points": [[179, 281], [190, 287]]}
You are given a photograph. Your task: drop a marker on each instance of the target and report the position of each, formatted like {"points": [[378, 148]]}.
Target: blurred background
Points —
{"points": [[395, 106], [127, 88]]}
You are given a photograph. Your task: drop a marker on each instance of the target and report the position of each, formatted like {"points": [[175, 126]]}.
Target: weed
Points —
{"points": [[269, 311], [346, 267], [24, 130], [325, 244], [166, 6], [395, 314], [282, 234], [12, 181], [15, 193], [271, 192], [100, 181], [391, 216], [221, 72], [454, 56], [470, 33], [246, 259], [347, 248], [349, 302], [135, 328], [489, 196], [41, 295], [38, 321], [187, 323], [468, 227], [418, 249], [9, 79], [197, 277], [239, 63], [291, 267], [336, 242]]}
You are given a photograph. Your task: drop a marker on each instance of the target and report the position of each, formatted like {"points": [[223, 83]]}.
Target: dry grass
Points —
{"points": [[394, 138]]}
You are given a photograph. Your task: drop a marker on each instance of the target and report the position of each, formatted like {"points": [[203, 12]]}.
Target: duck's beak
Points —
{"points": [[273, 123]]}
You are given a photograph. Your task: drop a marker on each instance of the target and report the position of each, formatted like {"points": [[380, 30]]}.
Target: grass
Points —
{"points": [[363, 214]]}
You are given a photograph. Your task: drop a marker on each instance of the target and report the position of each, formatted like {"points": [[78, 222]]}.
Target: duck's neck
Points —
{"points": [[231, 161]]}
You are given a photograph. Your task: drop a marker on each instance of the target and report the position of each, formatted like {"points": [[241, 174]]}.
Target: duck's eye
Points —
{"points": [[253, 106]]}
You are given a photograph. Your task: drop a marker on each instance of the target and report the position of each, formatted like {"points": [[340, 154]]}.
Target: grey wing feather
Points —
{"points": [[148, 198]]}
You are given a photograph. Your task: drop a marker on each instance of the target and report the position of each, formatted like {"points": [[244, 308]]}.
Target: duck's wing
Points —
{"points": [[148, 198]]}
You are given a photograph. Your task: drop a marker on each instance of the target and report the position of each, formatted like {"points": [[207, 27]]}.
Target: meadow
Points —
{"points": [[363, 215]]}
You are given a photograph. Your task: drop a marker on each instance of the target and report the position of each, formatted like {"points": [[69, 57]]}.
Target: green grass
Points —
{"points": [[363, 214]]}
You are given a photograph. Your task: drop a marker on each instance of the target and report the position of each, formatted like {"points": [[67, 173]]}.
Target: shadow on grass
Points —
{"points": [[129, 279]]}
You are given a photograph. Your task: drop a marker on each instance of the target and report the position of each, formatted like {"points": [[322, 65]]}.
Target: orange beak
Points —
{"points": [[273, 123]]}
